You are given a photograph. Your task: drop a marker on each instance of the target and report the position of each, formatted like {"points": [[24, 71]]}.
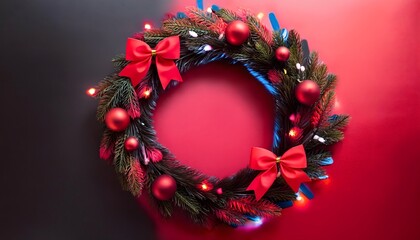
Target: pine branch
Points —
{"points": [[322, 109], [135, 177], [114, 92], [248, 205], [183, 27], [230, 218], [227, 15], [209, 20], [153, 36], [190, 205], [119, 62], [121, 157], [338, 121], [259, 31], [295, 48]]}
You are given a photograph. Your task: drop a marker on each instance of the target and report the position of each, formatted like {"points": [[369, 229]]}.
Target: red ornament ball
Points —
{"points": [[282, 54], [307, 92], [237, 32], [131, 144], [164, 187], [117, 119]]}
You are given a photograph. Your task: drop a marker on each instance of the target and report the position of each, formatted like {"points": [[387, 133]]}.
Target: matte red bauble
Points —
{"points": [[164, 187], [237, 32], [307, 92], [282, 54], [117, 119], [131, 144]]}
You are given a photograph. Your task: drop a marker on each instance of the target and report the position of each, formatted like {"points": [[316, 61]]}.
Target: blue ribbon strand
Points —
{"points": [[306, 191], [274, 23], [200, 4]]}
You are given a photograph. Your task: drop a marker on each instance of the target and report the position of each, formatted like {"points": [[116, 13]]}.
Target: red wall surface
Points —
{"points": [[211, 120]]}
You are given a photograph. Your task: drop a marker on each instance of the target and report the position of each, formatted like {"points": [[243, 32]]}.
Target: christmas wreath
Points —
{"points": [[302, 88]]}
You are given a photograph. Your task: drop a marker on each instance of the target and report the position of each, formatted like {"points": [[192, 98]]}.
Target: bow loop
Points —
{"points": [[140, 56], [137, 50], [291, 164], [263, 159], [169, 48]]}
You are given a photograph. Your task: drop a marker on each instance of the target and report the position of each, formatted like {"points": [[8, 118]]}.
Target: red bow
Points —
{"points": [[291, 164], [140, 56]]}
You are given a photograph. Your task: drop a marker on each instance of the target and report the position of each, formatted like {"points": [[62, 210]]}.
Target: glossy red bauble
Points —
{"points": [[282, 54], [307, 92], [164, 187], [117, 119], [237, 32], [131, 144]]}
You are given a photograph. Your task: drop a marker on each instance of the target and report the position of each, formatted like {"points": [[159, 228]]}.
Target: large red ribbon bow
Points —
{"points": [[291, 164], [140, 56]]}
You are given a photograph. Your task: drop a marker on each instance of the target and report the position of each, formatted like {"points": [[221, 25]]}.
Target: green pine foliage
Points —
{"points": [[257, 53]]}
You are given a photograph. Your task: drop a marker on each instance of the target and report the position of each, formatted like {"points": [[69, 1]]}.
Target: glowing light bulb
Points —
{"points": [[205, 186], [193, 34], [207, 48], [146, 93], [209, 10], [260, 15], [299, 198], [295, 132], [292, 133], [258, 221], [91, 92], [147, 26]]}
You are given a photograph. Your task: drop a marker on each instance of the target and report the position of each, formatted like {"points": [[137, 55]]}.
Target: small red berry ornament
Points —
{"points": [[237, 32], [307, 92], [117, 119], [282, 54], [131, 144], [164, 187]]}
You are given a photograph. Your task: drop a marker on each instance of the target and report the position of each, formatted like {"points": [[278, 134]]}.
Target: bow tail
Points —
{"points": [[136, 71], [167, 71], [294, 177], [263, 182]]}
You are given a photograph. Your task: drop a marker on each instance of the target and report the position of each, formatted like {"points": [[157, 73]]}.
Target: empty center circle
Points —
{"points": [[214, 117]]}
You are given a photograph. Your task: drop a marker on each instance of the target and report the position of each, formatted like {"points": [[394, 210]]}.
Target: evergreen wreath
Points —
{"points": [[302, 88]]}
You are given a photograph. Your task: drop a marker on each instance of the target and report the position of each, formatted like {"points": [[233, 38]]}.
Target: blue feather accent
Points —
{"points": [[306, 191], [276, 138], [262, 79], [326, 161], [284, 34], [215, 8], [200, 4], [332, 117], [181, 15], [252, 218], [274, 23], [323, 177], [285, 204]]}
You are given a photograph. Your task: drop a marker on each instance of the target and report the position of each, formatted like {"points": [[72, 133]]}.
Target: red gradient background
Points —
{"points": [[213, 118]]}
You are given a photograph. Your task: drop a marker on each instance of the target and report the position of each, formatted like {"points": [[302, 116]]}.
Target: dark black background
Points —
{"points": [[53, 184]]}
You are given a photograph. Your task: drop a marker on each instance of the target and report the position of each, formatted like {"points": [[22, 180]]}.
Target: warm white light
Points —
{"points": [[207, 48], [91, 92], [260, 15], [147, 26], [209, 10], [146, 93], [193, 34]]}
